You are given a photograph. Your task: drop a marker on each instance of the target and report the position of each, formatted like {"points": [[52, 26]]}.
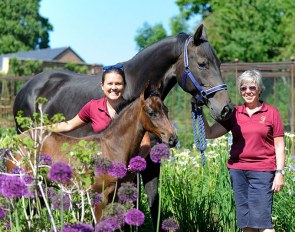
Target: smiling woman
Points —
{"points": [[257, 155]]}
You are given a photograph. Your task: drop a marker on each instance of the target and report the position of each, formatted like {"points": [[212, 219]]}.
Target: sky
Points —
{"points": [[103, 31]]}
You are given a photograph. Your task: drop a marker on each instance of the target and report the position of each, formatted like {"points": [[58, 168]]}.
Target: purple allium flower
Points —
{"points": [[104, 226], [170, 224], [137, 164], [134, 217], [114, 222], [13, 187], [96, 198], [17, 170], [28, 179], [118, 170], [78, 228], [115, 209], [2, 213], [127, 192], [102, 165], [45, 159], [159, 151], [57, 201], [60, 172]]}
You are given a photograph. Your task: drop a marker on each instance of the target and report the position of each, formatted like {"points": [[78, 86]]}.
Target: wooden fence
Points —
{"points": [[278, 77]]}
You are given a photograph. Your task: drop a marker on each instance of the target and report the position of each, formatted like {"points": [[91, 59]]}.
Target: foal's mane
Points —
{"points": [[124, 105]]}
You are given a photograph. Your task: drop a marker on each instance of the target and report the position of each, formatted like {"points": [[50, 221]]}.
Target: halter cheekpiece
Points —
{"points": [[203, 94]]}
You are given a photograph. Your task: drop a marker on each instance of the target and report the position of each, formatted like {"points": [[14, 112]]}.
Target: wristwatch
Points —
{"points": [[280, 171]]}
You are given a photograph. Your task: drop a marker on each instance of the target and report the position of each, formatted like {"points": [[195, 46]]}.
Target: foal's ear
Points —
{"points": [[200, 35], [146, 92]]}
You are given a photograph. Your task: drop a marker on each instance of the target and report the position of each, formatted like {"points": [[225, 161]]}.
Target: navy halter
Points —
{"points": [[203, 94]]}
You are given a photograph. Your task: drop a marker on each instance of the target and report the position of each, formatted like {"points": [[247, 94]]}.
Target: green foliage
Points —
{"points": [[247, 30], [200, 197], [148, 35], [76, 67], [24, 67], [22, 28]]}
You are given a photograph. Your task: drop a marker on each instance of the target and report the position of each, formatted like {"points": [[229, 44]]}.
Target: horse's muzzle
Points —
{"points": [[173, 140], [226, 111]]}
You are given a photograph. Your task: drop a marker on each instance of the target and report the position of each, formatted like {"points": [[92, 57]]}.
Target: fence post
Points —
{"points": [[236, 60], [292, 100]]}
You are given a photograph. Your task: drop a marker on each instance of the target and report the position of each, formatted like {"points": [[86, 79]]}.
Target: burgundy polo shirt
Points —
{"points": [[253, 138], [96, 112]]}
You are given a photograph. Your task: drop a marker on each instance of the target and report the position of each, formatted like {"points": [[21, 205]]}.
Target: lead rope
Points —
{"points": [[199, 139]]}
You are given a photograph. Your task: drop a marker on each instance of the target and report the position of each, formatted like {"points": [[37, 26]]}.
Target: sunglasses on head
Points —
{"points": [[251, 88], [116, 66]]}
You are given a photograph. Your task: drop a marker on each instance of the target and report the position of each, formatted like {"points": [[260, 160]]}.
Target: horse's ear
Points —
{"points": [[200, 35], [160, 86], [146, 92]]}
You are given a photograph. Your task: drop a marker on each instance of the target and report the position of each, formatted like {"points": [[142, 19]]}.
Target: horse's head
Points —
{"points": [[154, 116], [201, 75]]}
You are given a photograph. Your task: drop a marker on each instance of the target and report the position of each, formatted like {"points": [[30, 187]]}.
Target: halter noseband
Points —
{"points": [[203, 94]]}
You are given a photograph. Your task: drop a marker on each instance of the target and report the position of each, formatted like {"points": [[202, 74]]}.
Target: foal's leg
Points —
{"points": [[98, 208]]}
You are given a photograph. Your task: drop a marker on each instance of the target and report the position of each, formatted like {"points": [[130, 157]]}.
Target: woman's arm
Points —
{"points": [[278, 182], [214, 131], [67, 126]]}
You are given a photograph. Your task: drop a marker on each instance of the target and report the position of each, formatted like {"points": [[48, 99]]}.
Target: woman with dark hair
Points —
{"points": [[100, 112], [257, 156]]}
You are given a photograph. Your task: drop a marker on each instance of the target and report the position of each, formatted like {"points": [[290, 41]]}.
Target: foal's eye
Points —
{"points": [[151, 113]]}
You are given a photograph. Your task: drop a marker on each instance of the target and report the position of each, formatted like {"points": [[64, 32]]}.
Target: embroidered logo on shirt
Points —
{"points": [[262, 119]]}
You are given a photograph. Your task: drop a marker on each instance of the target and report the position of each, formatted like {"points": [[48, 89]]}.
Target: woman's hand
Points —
{"points": [[278, 182]]}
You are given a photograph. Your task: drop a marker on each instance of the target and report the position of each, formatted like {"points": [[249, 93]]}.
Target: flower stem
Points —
{"points": [[159, 208], [137, 201]]}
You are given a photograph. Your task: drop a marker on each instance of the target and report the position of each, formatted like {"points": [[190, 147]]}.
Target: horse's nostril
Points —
{"points": [[226, 111], [173, 141]]}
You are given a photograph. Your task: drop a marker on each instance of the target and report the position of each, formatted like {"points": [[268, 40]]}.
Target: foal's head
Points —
{"points": [[153, 116]]}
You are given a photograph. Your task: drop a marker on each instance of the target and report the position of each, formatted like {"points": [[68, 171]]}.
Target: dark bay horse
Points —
{"points": [[146, 113], [171, 59]]}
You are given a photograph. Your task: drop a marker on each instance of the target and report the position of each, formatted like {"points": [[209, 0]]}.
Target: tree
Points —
{"points": [[149, 34], [22, 28], [249, 30]]}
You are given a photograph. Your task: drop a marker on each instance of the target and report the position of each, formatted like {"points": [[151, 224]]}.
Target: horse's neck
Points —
{"points": [[151, 64], [123, 137]]}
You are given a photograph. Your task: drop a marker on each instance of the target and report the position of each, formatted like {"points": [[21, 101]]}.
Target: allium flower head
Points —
{"points": [[17, 170], [134, 217], [159, 151], [78, 228], [58, 202], [96, 198], [104, 226], [170, 224], [127, 192], [114, 209], [102, 165], [2, 213], [114, 222], [60, 172], [137, 164], [13, 187], [45, 159], [118, 170]]}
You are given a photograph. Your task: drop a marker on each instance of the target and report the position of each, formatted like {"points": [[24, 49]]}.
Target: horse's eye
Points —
{"points": [[203, 65], [152, 113]]}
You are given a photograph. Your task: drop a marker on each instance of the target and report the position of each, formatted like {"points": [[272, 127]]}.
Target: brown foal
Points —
{"points": [[119, 142]]}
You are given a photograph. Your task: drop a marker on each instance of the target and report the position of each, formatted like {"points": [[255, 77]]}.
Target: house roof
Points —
{"points": [[47, 54]]}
